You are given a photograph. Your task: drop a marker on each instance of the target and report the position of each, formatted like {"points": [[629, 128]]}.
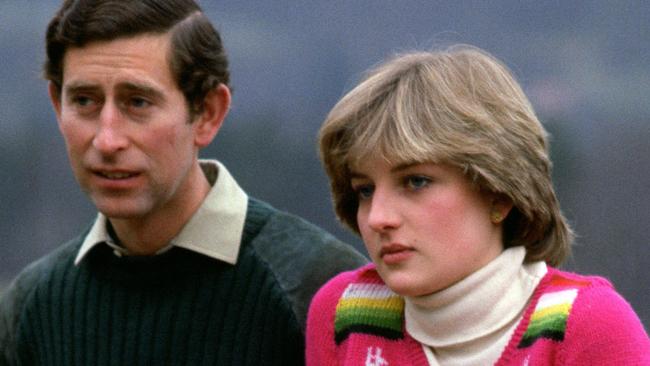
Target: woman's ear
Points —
{"points": [[216, 105], [501, 206]]}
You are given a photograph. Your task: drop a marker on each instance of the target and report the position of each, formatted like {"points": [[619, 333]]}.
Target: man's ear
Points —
{"points": [[215, 108], [55, 98]]}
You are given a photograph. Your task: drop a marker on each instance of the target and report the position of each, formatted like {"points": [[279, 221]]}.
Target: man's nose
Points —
{"points": [[110, 136]]}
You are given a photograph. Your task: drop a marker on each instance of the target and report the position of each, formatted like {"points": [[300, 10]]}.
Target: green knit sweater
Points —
{"points": [[177, 308]]}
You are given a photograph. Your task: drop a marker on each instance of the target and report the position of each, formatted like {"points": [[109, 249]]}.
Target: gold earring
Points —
{"points": [[495, 217]]}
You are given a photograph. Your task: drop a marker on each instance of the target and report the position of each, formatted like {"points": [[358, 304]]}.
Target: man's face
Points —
{"points": [[126, 126]]}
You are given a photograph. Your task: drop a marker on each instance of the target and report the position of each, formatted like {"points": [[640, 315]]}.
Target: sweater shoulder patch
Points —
{"points": [[369, 308], [549, 318]]}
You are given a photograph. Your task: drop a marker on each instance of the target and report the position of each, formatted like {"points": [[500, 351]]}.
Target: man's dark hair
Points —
{"points": [[198, 60]]}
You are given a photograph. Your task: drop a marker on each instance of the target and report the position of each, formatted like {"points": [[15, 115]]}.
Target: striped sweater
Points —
{"points": [[571, 320]]}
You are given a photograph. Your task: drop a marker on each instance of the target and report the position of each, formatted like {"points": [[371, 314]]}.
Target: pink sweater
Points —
{"points": [[571, 320]]}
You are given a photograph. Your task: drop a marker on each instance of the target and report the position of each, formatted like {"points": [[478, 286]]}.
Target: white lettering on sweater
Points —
{"points": [[374, 357]]}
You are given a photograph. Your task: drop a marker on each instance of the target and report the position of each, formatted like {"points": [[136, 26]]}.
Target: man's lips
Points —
{"points": [[115, 175], [115, 178]]}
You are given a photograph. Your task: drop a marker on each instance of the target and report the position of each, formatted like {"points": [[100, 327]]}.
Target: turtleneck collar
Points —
{"points": [[481, 308]]}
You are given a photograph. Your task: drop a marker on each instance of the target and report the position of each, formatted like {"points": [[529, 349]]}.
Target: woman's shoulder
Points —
{"points": [[336, 286], [595, 319], [325, 303], [357, 302], [596, 303], [358, 283], [561, 278], [582, 295]]}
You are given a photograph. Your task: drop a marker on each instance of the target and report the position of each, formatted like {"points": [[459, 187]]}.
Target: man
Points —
{"points": [[180, 266]]}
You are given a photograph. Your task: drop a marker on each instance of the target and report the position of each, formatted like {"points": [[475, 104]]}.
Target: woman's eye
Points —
{"points": [[417, 182], [363, 192]]}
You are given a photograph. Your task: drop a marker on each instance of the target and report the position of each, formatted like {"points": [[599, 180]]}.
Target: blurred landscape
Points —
{"points": [[582, 63]]}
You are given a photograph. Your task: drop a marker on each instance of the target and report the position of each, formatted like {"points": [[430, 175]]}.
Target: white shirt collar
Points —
{"points": [[215, 229]]}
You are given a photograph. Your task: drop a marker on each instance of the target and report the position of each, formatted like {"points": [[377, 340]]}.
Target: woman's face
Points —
{"points": [[425, 225]]}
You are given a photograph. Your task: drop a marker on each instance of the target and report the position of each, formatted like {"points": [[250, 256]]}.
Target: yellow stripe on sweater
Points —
{"points": [[551, 311], [393, 303]]}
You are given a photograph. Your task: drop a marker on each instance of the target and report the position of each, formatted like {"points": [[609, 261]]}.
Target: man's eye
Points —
{"points": [[82, 101], [138, 102], [417, 182]]}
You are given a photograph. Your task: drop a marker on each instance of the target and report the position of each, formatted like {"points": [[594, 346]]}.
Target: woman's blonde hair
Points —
{"points": [[460, 106]]}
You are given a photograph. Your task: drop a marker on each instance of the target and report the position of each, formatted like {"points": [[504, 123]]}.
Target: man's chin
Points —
{"points": [[120, 211]]}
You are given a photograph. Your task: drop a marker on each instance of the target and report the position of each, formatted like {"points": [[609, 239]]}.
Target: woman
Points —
{"points": [[438, 161]]}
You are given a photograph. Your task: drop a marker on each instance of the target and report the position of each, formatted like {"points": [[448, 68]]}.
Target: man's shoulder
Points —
{"points": [[285, 229], [43, 266], [300, 255], [281, 222], [16, 296]]}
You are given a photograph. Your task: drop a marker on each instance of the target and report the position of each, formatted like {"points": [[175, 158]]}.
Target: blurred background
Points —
{"points": [[584, 65]]}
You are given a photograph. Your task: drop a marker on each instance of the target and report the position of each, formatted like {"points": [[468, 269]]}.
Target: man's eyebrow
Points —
{"points": [[76, 87], [79, 87], [141, 88]]}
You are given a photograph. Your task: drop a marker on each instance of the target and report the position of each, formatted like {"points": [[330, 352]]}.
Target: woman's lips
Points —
{"points": [[395, 253]]}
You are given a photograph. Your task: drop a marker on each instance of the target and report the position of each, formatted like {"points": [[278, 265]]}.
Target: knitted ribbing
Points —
{"points": [[177, 308]]}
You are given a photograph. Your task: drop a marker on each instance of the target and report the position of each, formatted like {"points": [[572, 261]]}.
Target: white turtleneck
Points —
{"points": [[471, 322]]}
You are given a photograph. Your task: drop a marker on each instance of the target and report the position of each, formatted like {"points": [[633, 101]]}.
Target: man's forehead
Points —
{"points": [[132, 63]]}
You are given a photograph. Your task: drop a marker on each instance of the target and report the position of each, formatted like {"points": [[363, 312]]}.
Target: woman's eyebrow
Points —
{"points": [[403, 166]]}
